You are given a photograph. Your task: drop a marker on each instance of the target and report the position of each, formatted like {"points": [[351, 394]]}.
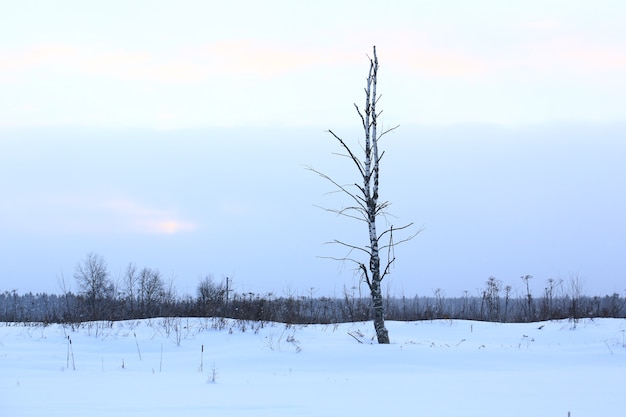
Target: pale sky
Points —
{"points": [[174, 134], [166, 64]]}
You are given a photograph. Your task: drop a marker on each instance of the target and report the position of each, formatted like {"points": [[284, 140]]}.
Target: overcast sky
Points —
{"points": [[176, 134]]}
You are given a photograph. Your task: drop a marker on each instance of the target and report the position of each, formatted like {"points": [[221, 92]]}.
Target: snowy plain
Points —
{"points": [[218, 367]]}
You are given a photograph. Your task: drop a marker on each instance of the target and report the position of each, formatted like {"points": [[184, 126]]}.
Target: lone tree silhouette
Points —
{"points": [[366, 206]]}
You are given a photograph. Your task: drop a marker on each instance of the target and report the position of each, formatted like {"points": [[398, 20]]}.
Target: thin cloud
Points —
{"points": [[407, 51], [429, 61], [542, 24], [550, 54], [170, 227], [145, 219], [72, 213], [253, 57], [44, 55], [576, 54], [234, 58]]}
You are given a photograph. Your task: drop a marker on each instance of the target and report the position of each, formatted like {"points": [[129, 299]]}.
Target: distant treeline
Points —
{"points": [[142, 293], [216, 300]]}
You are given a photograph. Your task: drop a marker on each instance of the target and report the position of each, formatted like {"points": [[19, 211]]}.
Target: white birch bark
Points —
{"points": [[366, 205]]}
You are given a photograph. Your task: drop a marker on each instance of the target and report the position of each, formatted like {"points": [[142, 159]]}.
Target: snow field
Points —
{"points": [[193, 367]]}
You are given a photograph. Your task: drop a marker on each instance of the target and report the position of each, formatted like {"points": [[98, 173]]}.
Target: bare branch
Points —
{"points": [[361, 115], [336, 184], [344, 212], [366, 275], [387, 131], [403, 240], [380, 156], [391, 229], [386, 271], [347, 148], [341, 259], [355, 338], [381, 207], [351, 247]]}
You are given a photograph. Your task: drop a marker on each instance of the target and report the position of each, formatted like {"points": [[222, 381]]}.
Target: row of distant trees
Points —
{"points": [[143, 293]]}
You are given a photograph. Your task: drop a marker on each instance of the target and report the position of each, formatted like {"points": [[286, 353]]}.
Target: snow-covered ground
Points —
{"points": [[216, 367]]}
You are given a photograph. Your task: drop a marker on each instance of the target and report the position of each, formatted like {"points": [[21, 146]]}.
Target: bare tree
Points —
{"points": [[130, 280], [529, 298], [575, 284], [211, 296], [93, 280], [150, 292], [366, 205]]}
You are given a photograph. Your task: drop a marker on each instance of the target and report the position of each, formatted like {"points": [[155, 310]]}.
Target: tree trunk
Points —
{"points": [[379, 313], [366, 203], [370, 191]]}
